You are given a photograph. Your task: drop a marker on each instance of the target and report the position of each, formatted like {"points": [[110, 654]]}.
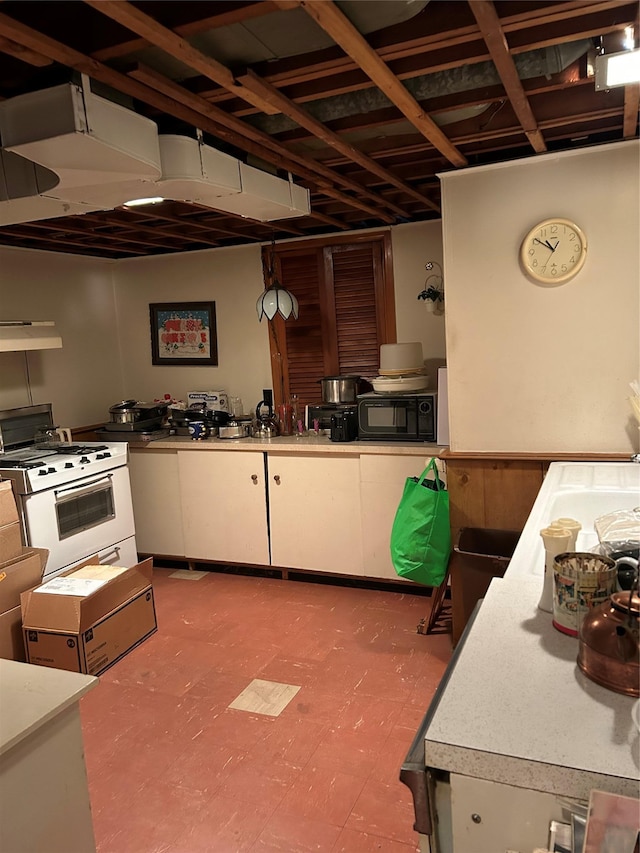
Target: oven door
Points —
{"points": [[80, 518], [387, 419]]}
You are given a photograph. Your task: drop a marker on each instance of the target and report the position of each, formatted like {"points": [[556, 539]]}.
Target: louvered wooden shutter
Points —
{"points": [[352, 277], [346, 312]]}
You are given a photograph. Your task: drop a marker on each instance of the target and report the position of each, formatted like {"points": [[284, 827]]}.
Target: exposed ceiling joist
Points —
{"points": [[342, 31], [489, 23], [318, 115], [153, 32]]}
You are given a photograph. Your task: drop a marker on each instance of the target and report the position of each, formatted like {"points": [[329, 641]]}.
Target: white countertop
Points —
{"points": [[31, 695], [516, 708], [305, 444]]}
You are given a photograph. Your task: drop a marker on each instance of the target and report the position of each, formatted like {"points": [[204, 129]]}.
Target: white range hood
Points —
{"points": [[22, 335]]}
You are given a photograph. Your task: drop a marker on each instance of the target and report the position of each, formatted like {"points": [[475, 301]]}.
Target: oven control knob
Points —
{"points": [[42, 472], [68, 464], [51, 471], [84, 460]]}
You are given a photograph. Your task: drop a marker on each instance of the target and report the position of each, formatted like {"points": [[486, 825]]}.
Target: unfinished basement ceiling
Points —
{"points": [[361, 102]]}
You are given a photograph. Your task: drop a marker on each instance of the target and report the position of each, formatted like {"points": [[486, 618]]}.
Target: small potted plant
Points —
{"points": [[433, 293]]}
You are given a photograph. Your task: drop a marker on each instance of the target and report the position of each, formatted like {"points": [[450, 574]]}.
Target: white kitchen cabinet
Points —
{"points": [[490, 816], [156, 502], [224, 509], [314, 512], [382, 480]]}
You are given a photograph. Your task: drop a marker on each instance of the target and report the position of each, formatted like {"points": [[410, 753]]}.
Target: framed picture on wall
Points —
{"points": [[183, 333]]}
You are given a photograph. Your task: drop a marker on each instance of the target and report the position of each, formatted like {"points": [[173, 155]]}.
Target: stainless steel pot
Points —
{"points": [[235, 429], [340, 389], [133, 411], [124, 412]]}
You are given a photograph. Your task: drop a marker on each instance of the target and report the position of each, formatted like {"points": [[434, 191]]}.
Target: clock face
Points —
{"points": [[553, 251]]}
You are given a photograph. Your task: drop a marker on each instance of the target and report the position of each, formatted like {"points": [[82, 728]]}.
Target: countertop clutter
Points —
{"points": [[516, 717]]}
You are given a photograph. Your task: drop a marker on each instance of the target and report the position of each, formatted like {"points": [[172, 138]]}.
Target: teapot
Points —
{"points": [[265, 425], [609, 645], [50, 436]]}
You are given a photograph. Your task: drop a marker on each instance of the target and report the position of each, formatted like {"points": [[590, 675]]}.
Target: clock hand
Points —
{"points": [[546, 243]]}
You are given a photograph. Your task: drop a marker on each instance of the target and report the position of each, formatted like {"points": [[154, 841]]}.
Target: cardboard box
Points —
{"points": [[10, 541], [10, 532], [217, 401], [11, 642], [89, 617], [21, 574], [8, 508]]}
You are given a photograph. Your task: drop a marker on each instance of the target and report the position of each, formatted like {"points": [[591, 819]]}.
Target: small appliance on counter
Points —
{"points": [[321, 414], [397, 417], [344, 425]]}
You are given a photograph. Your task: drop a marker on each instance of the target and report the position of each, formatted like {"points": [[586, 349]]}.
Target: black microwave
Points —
{"points": [[397, 417]]}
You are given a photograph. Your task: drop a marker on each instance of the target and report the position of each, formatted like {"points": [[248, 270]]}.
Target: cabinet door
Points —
{"points": [[156, 502], [489, 816], [314, 512], [224, 506], [382, 480]]}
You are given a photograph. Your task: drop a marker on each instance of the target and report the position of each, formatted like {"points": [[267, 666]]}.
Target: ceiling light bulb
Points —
{"points": [[138, 202]]}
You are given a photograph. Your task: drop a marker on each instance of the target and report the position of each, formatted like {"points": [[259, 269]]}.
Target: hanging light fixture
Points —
{"points": [[275, 299]]}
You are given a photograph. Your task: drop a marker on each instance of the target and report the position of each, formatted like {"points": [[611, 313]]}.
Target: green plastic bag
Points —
{"points": [[421, 535]]}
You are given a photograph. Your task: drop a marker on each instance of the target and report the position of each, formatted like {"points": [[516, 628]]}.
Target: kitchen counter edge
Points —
{"points": [[286, 444]]}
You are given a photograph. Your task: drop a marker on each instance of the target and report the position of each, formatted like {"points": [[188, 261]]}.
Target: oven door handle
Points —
{"points": [[105, 478]]}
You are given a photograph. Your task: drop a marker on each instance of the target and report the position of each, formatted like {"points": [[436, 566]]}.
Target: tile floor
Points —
{"points": [[173, 768]]}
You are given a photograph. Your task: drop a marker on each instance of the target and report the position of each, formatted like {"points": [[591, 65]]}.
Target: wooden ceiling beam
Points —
{"points": [[435, 52], [489, 23], [329, 17], [255, 141], [231, 15], [144, 25], [321, 131], [631, 108], [27, 231], [31, 57]]}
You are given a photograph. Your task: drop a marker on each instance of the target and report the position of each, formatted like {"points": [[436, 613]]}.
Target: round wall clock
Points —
{"points": [[553, 251]]}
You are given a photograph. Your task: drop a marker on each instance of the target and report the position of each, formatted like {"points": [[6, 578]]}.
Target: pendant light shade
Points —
{"points": [[275, 299]]}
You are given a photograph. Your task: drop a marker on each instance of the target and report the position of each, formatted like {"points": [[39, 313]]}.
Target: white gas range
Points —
{"points": [[73, 499]]}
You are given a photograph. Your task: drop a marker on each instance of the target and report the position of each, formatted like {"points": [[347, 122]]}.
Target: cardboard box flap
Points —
{"points": [[20, 574], [75, 600]]}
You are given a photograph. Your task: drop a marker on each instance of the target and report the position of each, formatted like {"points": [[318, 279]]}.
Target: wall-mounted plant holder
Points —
{"points": [[433, 293]]}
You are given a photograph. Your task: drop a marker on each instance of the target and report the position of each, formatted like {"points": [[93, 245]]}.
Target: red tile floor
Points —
{"points": [[171, 768]]}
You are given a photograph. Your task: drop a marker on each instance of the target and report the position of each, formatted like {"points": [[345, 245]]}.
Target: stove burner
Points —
{"points": [[78, 449]]}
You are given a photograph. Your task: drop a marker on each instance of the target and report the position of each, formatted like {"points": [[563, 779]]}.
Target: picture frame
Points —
{"points": [[183, 333]]}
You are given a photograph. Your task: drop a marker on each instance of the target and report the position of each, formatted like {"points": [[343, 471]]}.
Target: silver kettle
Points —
{"points": [[265, 424]]}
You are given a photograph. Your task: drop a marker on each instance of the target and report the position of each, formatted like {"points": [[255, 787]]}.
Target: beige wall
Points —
{"points": [[102, 310], [232, 278], [77, 293], [413, 246], [534, 368]]}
